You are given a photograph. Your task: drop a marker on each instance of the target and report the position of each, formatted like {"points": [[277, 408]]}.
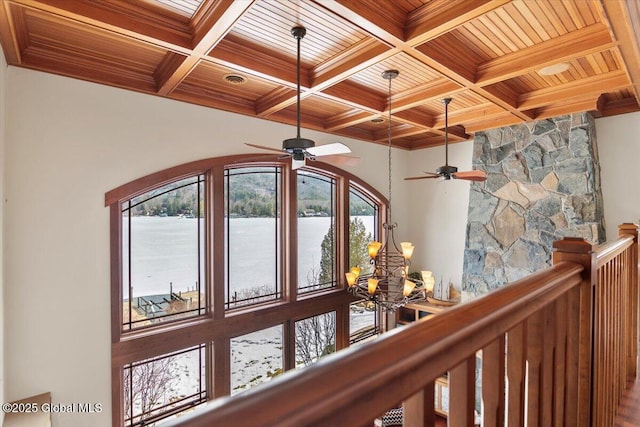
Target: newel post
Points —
{"points": [[624, 230], [580, 329]]}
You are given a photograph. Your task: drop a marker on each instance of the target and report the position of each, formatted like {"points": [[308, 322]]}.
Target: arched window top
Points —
{"points": [[157, 179]]}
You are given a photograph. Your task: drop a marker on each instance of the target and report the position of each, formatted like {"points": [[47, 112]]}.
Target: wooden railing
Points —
{"points": [[615, 320], [556, 348]]}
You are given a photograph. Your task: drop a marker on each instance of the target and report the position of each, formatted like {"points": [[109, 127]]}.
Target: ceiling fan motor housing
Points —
{"points": [[293, 144], [446, 171]]}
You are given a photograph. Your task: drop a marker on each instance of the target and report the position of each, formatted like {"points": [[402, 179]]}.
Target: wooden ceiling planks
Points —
{"points": [[486, 54]]}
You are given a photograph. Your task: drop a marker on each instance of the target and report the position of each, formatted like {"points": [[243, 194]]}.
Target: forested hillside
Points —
{"points": [[249, 195]]}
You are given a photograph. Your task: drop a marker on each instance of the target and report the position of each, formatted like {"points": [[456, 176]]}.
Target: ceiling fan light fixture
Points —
{"points": [[554, 69]]}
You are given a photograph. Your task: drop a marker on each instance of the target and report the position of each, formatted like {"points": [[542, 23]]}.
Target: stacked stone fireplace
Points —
{"points": [[543, 184]]}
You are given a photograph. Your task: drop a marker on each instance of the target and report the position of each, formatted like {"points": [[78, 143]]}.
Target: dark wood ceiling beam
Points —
{"points": [[594, 85], [441, 16], [215, 19], [576, 44], [624, 20]]}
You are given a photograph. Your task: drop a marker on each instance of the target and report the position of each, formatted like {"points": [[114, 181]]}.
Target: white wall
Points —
{"points": [[68, 142], [3, 86], [438, 212], [619, 150]]}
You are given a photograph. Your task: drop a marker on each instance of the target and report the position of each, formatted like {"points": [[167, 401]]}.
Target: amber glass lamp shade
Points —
{"points": [[407, 249], [351, 278], [409, 286], [372, 285], [373, 248]]}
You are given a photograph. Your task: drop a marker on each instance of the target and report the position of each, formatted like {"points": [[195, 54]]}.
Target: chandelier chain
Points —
{"points": [[389, 148]]}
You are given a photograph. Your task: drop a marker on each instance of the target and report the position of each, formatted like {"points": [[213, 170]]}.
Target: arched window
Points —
{"points": [[226, 273]]}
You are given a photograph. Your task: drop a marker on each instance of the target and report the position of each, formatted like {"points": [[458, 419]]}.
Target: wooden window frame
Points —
{"points": [[217, 326]]}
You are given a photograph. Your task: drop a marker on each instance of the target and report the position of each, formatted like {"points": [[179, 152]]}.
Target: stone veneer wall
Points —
{"points": [[543, 184]]}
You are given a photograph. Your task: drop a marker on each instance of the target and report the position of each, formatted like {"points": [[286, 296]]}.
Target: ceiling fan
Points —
{"points": [[302, 149], [447, 171]]}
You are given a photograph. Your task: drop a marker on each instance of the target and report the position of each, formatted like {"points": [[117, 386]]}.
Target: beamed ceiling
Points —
{"points": [[485, 54]]}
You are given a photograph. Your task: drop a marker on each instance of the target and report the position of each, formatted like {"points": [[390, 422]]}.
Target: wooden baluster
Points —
{"points": [[548, 353], [632, 300], [581, 252], [516, 364], [535, 345], [462, 391], [560, 360], [493, 368], [419, 408]]}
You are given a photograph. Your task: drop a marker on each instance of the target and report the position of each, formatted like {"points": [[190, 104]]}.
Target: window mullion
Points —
{"points": [[216, 241], [291, 237]]}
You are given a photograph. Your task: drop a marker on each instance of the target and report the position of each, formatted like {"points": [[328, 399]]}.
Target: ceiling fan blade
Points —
{"points": [[297, 164], [476, 175], [262, 147], [328, 149], [432, 175], [341, 159]]}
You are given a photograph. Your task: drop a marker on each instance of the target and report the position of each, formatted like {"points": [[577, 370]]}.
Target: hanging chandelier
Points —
{"points": [[388, 286]]}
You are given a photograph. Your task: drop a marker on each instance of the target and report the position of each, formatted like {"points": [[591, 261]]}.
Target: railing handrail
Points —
{"points": [[357, 382], [611, 249]]}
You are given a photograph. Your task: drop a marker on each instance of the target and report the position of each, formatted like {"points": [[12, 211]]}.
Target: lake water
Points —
{"points": [[165, 252]]}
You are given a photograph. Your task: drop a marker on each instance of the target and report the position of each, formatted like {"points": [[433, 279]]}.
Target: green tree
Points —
{"points": [[359, 238]]}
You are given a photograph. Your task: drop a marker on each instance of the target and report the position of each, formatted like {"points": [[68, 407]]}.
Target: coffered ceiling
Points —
{"points": [[240, 56]]}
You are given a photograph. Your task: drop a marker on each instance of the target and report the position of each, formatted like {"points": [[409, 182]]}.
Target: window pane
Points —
{"points": [[157, 388], [163, 252], [363, 321], [316, 237], [363, 228], [256, 358], [315, 337], [252, 235]]}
